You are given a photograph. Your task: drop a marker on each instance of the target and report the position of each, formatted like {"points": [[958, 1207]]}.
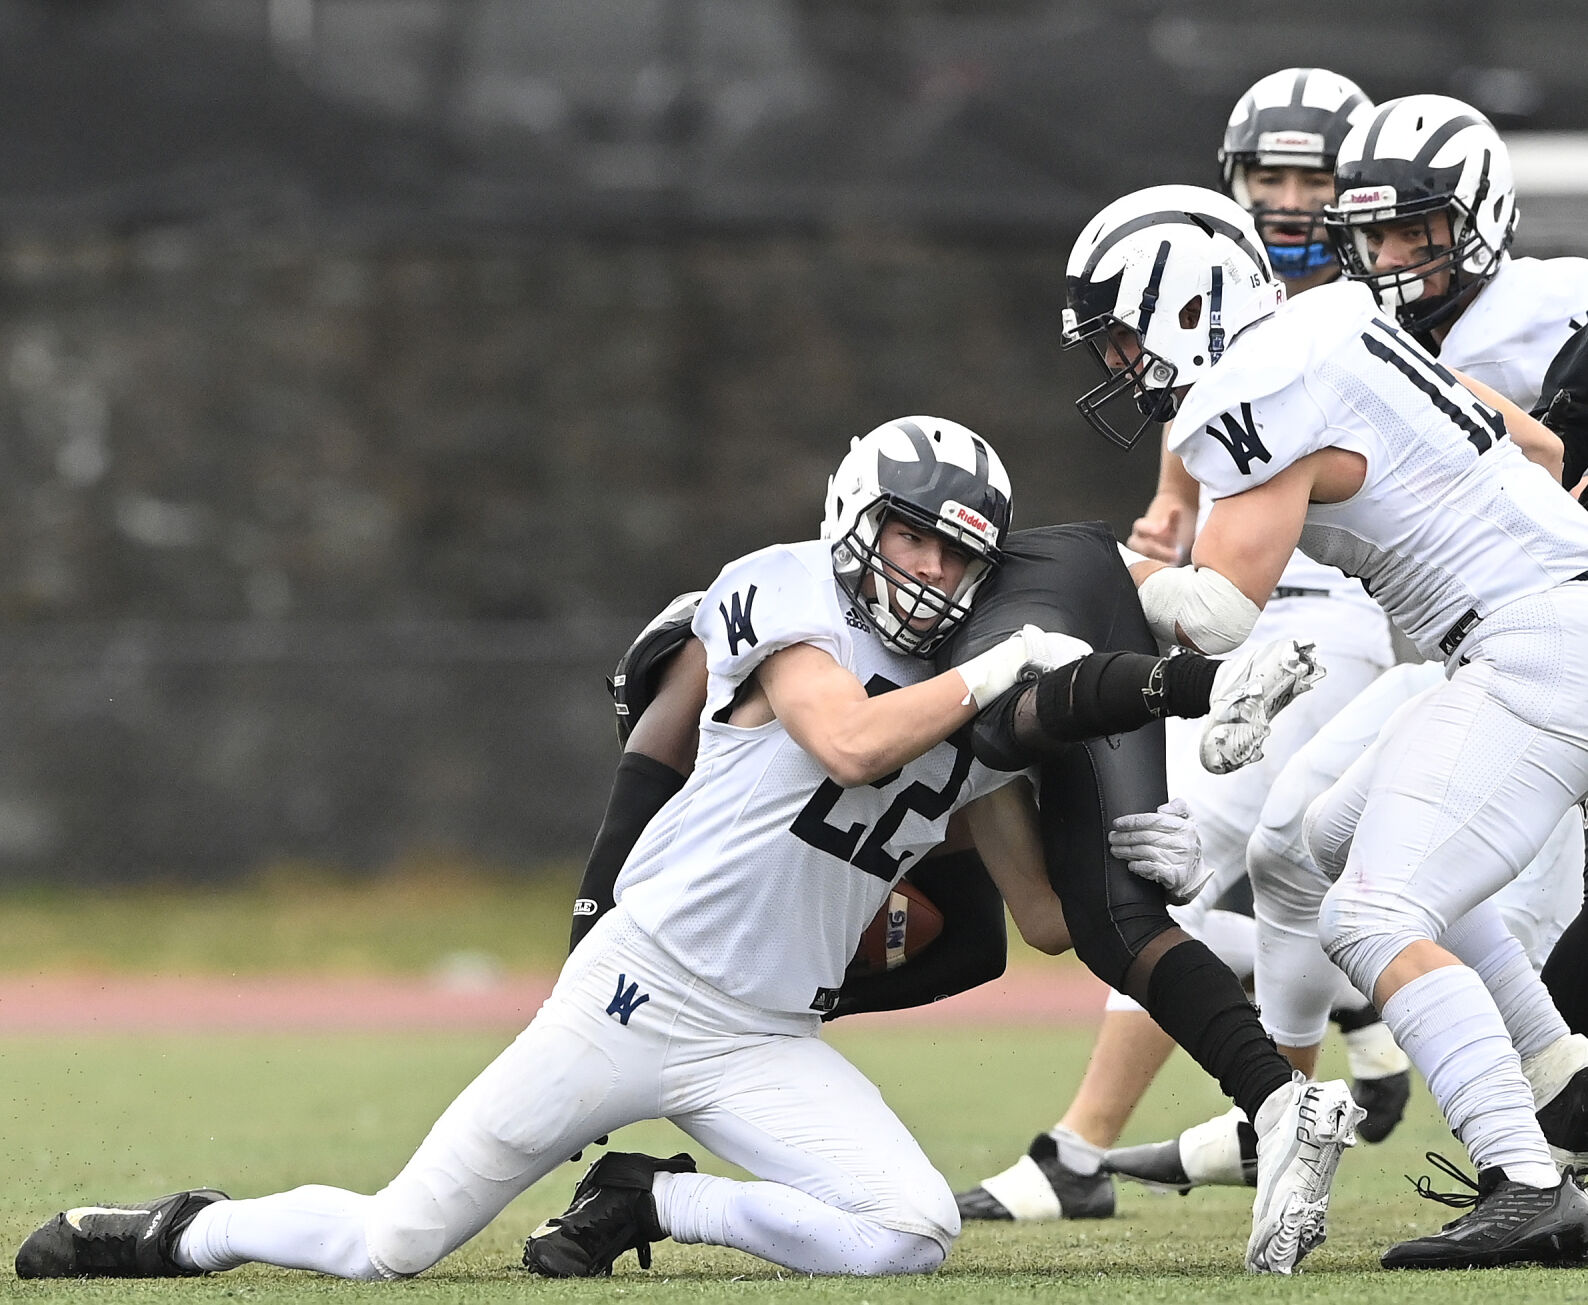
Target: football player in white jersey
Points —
{"points": [[1425, 217], [1276, 160], [823, 771], [1427, 210], [1318, 421], [658, 691], [825, 766]]}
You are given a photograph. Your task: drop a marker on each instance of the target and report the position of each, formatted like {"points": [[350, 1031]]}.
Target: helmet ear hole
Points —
{"points": [[1191, 313]]}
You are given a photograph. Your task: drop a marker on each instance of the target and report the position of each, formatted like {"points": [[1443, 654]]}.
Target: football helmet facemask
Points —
{"points": [[939, 476], [1410, 160], [1158, 286], [1295, 118]]}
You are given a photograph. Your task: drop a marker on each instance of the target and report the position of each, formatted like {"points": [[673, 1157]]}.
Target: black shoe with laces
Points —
{"points": [[114, 1241], [1509, 1223], [612, 1212], [1040, 1186]]}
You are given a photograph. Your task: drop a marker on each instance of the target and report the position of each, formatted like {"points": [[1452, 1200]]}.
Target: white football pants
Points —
{"points": [[1352, 635], [1293, 974], [1467, 787], [627, 1035]]}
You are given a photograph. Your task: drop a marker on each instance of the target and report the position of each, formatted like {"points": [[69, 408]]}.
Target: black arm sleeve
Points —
{"points": [[1563, 403], [1103, 693], [640, 789], [971, 950]]}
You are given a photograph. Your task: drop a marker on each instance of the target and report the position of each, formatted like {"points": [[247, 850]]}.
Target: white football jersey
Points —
{"points": [[761, 874], [1452, 521], [1303, 574], [1512, 330]]}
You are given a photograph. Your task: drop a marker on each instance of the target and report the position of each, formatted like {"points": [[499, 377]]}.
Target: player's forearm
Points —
{"points": [[1176, 483], [875, 736], [1004, 824]]}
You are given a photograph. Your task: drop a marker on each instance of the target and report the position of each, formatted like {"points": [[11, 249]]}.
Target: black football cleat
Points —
{"points": [[1040, 1186], [114, 1241], [1509, 1223], [612, 1212], [1564, 1121], [1385, 1100], [1381, 1080]]}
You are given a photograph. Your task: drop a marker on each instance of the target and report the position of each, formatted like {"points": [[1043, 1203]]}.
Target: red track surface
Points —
{"points": [[123, 1004]]}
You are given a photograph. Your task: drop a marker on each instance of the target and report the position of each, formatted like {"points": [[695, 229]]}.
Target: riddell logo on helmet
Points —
{"points": [[1309, 141], [1369, 197], [961, 515]]}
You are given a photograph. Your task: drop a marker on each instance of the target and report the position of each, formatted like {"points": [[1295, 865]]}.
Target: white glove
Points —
{"points": [[1020, 656], [1249, 690], [1163, 846]]}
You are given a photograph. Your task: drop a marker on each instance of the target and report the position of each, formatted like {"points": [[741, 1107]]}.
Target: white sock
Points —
{"points": [[787, 1226], [1210, 1152], [1075, 1152], [320, 1228], [1370, 1052], [1447, 1023], [1552, 1068], [1481, 940]]}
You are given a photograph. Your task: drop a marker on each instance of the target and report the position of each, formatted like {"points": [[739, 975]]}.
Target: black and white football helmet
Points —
{"points": [[939, 476], [1411, 159], [1158, 285], [1295, 118]]}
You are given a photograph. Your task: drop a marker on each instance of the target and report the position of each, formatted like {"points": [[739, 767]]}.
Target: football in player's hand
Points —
{"points": [[906, 924]]}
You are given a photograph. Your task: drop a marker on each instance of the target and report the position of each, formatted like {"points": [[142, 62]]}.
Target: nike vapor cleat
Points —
{"points": [[1509, 1223], [114, 1241], [612, 1212], [1302, 1131], [1058, 1178], [1219, 1152], [1249, 690]]}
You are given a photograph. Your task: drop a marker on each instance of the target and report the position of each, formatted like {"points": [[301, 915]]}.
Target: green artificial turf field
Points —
{"points": [[106, 1118], [94, 1117]]}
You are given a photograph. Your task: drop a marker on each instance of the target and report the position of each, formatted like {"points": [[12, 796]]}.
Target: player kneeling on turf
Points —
{"points": [[824, 770]]}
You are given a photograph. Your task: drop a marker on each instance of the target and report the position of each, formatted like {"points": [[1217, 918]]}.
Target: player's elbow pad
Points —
{"points": [[1212, 613]]}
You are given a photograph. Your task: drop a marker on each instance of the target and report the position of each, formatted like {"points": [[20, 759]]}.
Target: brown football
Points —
{"points": [[907, 923]]}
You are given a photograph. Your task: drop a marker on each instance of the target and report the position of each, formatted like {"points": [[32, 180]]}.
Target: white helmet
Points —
{"points": [[1141, 267], [1294, 118], [943, 478], [1413, 158]]}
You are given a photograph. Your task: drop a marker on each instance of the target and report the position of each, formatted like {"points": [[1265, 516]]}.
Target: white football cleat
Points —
{"points": [[1249, 690], [1302, 1130]]}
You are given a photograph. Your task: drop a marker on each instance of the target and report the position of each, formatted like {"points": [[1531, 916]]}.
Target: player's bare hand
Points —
{"points": [[1160, 533]]}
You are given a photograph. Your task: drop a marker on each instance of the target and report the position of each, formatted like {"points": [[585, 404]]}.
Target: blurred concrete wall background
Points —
{"points": [[370, 370]]}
